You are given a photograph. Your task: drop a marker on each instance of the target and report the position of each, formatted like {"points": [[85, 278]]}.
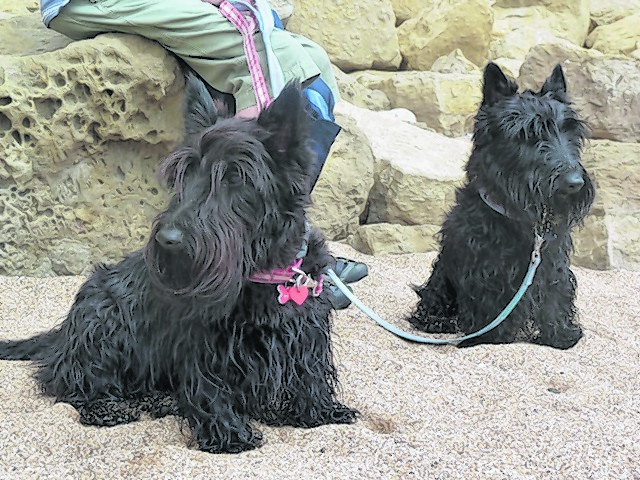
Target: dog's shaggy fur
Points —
{"points": [[177, 328], [524, 177]]}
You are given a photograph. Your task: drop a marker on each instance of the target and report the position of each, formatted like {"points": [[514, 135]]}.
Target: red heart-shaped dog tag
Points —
{"points": [[298, 294]]}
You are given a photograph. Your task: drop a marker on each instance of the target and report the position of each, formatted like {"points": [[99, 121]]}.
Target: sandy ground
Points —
{"points": [[515, 411]]}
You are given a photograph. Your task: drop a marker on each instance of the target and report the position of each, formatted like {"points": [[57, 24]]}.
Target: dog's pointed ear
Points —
{"points": [[199, 109], [495, 85], [287, 122], [556, 82]]}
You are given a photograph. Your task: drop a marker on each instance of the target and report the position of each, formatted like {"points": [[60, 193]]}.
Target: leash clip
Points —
{"points": [[306, 281], [537, 245]]}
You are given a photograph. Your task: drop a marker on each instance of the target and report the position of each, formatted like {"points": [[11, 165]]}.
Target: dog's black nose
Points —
{"points": [[169, 237], [572, 183]]}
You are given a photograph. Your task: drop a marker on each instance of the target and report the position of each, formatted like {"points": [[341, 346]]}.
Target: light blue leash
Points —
{"points": [[528, 279]]}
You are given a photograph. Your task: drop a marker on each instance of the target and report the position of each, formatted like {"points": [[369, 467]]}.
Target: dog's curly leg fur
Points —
{"points": [[436, 310], [564, 332]]}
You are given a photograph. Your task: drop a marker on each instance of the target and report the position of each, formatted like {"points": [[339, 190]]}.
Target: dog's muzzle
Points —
{"points": [[571, 183]]}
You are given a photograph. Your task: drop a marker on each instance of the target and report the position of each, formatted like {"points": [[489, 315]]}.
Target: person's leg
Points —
{"points": [[321, 59], [193, 30]]}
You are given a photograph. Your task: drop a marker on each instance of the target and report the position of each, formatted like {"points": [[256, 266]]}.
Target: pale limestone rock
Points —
{"points": [[416, 171], [510, 66], [10, 8], [455, 62], [27, 35], [603, 88], [389, 238], [615, 168], [69, 257], [445, 102], [406, 9], [284, 9], [413, 196], [400, 114], [517, 30], [553, 5], [511, 47], [356, 34], [604, 12], [448, 25], [591, 241], [81, 131], [620, 37], [354, 92], [340, 196]]}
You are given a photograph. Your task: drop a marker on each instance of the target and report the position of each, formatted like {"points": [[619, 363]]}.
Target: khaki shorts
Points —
{"points": [[197, 33]]}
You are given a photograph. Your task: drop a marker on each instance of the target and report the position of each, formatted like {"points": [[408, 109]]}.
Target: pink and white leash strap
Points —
{"points": [[263, 13], [246, 26]]}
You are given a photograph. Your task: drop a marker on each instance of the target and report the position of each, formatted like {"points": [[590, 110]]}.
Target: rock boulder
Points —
{"points": [[81, 131], [355, 34], [444, 27], [603, 88]]}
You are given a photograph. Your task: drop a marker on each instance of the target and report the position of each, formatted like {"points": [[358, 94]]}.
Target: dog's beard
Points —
{"points": [[573, 207], [170, 270], [534, 196]]}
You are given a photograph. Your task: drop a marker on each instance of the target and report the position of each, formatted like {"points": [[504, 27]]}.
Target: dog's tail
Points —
{"points": [[33, 348], [200, 111]]}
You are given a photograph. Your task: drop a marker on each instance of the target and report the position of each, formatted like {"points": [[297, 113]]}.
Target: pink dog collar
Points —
{"points": [[293, 283]]}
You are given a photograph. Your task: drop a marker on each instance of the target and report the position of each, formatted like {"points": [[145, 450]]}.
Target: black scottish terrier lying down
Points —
{"points": [[524, 178], [205, 322]]}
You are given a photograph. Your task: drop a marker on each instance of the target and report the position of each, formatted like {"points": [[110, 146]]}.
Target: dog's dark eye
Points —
{"points": [[570, 124], [530, 131], [233, 178]]}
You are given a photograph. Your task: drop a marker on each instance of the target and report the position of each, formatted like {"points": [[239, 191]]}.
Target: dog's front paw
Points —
{"points": [[160, 405], [433, 324], [343, 414], [338, 413], [314, 416], [107, 412], [561, 338], [234, 443]]}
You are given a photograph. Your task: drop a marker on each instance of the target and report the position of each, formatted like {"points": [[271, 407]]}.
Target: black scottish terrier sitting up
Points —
{"points": [[524, 178], [190, 325]]}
